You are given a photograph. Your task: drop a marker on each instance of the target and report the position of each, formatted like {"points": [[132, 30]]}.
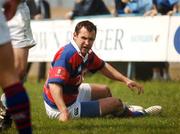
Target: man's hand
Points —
{"points": [[135, 86], [64, 116], [57, 94], [10, 7]]}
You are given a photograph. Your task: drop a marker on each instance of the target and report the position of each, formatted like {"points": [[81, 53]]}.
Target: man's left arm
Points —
{"points": [[114, 74]]}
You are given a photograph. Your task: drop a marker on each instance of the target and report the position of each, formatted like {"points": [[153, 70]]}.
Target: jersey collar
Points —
{"points": [[78, 50]]}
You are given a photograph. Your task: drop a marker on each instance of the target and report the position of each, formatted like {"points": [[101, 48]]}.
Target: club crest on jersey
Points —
{"points": [[58, 71]]}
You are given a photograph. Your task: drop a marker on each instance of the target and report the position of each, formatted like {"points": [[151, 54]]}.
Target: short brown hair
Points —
{"points": [[87, 24]]}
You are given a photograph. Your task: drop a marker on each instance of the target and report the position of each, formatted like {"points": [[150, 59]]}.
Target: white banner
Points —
{"points": [[49, 35], [132, 38], [118, 39], [174, 40]]}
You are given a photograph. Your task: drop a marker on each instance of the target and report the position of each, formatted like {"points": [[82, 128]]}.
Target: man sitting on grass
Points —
{"points": [[66, 97]]}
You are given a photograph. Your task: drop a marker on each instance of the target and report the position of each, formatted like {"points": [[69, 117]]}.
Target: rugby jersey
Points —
{"points": [[67, 69]]}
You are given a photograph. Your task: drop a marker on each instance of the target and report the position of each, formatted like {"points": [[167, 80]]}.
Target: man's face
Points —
{"points": [[84, 39]]}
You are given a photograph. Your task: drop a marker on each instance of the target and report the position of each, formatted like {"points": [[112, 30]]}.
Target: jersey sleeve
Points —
{"points": [[59, 73]]}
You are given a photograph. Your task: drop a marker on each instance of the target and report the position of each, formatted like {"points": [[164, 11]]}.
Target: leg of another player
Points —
{"points": [[20, 56], [7, 71], [17, 99]]}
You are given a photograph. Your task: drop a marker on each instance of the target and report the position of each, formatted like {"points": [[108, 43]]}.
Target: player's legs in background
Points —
{"points": [[8, 75], [20, 60], [165, 71], [17, 99], [20, 56], [22, 38]]}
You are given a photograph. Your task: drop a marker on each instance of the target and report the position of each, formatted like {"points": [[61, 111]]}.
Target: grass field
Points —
{"points": [[166, 94]]}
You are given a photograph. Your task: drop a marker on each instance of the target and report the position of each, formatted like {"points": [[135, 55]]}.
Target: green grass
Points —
{"points": [[166, 94]]}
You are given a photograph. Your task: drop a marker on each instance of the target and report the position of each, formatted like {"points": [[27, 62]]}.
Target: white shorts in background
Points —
{"points": [[75, 108], [20, 29], [4, 31]]}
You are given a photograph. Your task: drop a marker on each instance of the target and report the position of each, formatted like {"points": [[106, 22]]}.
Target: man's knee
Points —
{"points": [[108, 90]]}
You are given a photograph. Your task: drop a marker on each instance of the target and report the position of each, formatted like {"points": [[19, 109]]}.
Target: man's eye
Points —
{"points": [[84, 38]]}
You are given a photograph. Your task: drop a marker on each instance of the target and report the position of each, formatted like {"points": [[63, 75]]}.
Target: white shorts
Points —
{"points": [[74, 109], [20, 29], [4, 31]]}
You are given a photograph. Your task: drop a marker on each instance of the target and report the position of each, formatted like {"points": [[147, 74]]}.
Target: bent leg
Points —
{"points": [[96, 108], [95, 100], [116, 107]]}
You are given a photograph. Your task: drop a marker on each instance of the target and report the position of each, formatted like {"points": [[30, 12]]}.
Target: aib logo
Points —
{"points": [[177, 40]]}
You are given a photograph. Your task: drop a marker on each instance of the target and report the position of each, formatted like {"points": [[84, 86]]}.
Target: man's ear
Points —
{"points": [[75, 34]]}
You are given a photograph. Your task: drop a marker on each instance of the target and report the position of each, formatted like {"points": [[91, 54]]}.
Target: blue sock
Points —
{"points": [[137, 113]]}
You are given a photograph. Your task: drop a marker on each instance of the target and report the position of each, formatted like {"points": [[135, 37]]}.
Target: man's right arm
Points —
{"points": [[10, 7], [57, 94]]}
